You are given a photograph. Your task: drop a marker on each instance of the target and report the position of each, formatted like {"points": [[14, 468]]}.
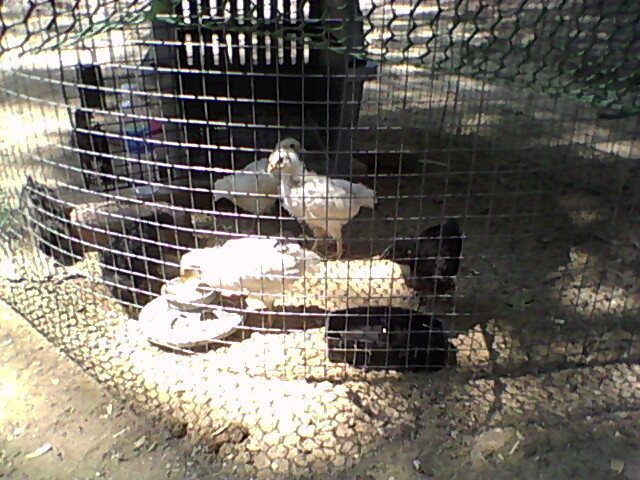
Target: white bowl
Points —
{"points": [[167, 326]]}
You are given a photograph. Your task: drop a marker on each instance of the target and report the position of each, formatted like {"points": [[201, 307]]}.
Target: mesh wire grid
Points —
{"points": [[585, 50], [119, 121]]}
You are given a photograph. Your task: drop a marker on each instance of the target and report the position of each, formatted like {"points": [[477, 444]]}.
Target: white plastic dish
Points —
{"points": [[165, 325]]}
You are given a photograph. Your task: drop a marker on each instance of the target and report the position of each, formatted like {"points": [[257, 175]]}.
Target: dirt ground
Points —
{"points": [[47, 400]]}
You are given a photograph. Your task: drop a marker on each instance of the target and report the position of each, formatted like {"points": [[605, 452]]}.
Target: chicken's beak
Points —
{"points": [[387, 253], [274, 160]]}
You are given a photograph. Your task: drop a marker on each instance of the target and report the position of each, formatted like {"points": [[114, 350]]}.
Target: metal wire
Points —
{"points": [[572, 48], [121, 122]]}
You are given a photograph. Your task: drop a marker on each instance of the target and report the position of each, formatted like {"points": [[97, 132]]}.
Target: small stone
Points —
{"points": [[349, 447], [327, 440], [309, 445], [417, 464], [616, 465], [514, 448], [279, 451], [391, 413], [272, 438], [138, 443], [339, 460], [307, 431], [262, 461], [39, 451], [342, 431], [492, 440]]}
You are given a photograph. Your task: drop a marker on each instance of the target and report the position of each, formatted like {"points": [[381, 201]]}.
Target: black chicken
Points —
{"points": [[433, 258], [387, 338]]}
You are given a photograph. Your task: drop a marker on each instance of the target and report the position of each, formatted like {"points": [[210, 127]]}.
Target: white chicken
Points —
{"points": [[257, 267], [325, 204], [253, 189]]}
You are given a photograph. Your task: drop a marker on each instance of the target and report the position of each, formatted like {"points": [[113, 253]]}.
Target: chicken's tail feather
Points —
{"points": [[451, 228], [220, 186]]}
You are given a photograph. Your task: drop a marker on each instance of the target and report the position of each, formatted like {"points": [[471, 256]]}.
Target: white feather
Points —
{"points": [[325, 204], [252, 189], [251, 266]]}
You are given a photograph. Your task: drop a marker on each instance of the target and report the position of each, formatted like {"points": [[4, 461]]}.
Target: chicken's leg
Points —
{"points": [[318, 234]]}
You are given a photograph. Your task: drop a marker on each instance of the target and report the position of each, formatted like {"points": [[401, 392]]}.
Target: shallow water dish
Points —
{"points": [[187, 294], [168, 326]]}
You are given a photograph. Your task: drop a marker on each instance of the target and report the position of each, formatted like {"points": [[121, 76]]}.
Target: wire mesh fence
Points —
{"points": [[222, 207]]}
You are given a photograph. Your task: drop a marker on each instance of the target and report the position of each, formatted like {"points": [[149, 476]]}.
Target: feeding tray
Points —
{"points": [[168, 326], [388, 338], [187, 294]]}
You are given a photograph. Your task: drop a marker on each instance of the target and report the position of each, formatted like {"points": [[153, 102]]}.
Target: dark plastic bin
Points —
{"points": [[250, 85]]}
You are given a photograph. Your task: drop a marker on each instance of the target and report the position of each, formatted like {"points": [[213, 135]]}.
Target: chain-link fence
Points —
{"points": [[272, 221]]}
